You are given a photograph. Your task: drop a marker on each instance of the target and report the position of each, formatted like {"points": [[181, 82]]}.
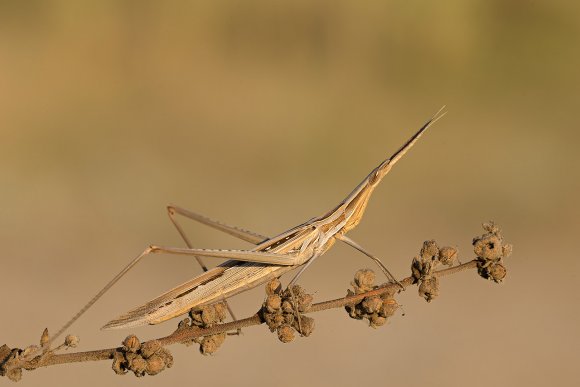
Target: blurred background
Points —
{"points": [[264, 114]]}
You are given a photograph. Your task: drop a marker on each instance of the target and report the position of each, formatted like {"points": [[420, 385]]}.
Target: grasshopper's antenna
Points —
{"points": [[383, 169], [401, 152]]}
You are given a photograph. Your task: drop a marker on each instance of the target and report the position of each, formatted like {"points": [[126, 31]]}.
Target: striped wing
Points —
{"points": [[228, 279], [217, 284]]}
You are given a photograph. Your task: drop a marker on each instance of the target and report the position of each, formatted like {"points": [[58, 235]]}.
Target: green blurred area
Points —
{"points": [[264, 114]]}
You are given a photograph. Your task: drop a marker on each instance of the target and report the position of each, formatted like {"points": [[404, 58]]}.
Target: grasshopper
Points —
{"points": [[295, 248]]}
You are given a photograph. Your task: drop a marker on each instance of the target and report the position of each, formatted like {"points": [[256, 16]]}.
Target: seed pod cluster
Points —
{"points": [[375, 309], [430, 257], [209, 315], [282, 311], [429, 288], [490, 251], [12, 361], [206, 317], [149, 358]]}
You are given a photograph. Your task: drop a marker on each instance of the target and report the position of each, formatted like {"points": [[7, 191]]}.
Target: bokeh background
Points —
{"points": [[264, 114]]}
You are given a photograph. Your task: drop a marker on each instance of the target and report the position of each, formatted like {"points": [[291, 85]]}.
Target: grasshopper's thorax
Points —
{"points": [[340, 220], [355, 208]]}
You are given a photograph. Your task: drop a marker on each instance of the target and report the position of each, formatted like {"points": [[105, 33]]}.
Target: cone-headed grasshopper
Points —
{"points": [[271, 257]]}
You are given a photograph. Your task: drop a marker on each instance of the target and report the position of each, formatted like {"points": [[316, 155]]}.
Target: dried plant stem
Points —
{"points": [[189, 333], [341, 302]]}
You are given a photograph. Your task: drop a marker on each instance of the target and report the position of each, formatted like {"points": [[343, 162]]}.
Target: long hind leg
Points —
{"points": [[237, 232]]}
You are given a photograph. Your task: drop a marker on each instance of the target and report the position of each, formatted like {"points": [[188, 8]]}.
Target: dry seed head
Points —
{"points": [[208, 315], [497, 272], [220, 338], [297, 292], [429, 288], [287, 307], [448, 255], [278, 320], [421, 268], [130, 356], [488, 247], [430, 250], [221, 311], [208, 347], [119, 363], [155, 364], [372, 304], [166, 356], [353, 311], [371, 308], [272, 320], [138, 365], [377, 321], [490, 251], [306, 325], [389, 293], [285, 334], [389, 307], [71, 341], [125, 361], [273, 303], [195, 315], [149, 348], [363, 280], [416, 269], [131, 344], [211, 344], [273, 287], [289, 318]]}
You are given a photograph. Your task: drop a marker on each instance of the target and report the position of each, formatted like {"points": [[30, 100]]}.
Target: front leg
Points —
{"points": [[384, 269]]}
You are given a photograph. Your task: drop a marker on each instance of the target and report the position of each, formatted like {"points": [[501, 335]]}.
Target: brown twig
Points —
{"points": [[187, 334], [489, 249]]}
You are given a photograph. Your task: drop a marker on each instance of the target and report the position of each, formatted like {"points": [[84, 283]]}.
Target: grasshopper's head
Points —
{"points": [[355, 204]]}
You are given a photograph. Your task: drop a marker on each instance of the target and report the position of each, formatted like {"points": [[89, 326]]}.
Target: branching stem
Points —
{"points": [[189, 333]]}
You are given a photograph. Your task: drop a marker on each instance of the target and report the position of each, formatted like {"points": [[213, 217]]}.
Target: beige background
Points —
{"points": [[264, 114]]}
